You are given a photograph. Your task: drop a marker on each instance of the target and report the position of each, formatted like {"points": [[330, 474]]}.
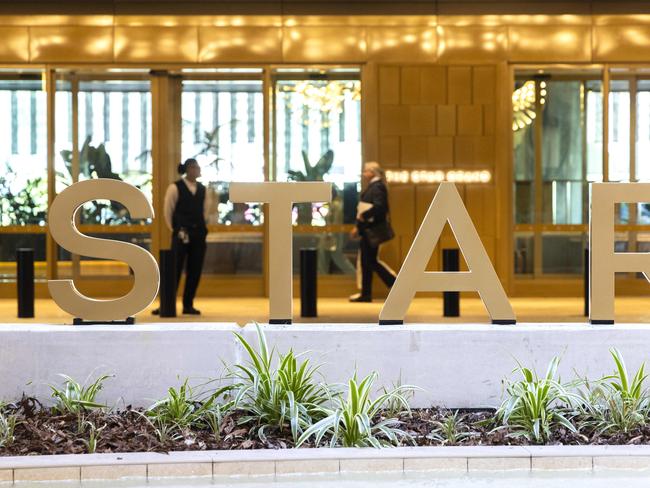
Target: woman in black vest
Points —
{"points": [[185, 211], [372, 217]]}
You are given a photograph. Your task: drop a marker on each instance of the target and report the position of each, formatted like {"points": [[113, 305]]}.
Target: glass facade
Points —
{"points": [[564, 154]]}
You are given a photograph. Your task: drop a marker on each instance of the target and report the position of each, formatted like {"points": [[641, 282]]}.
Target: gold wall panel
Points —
{"points": [[472, 44], [513, 19], [57, 20], [549, 43], [440, 151], [394, 120], [459, 85], [474, 152], [402, 44], [71, 44], [422, 119], [483, 84], [622, 43], [389, 85], [389, 151], [199, 20], [414, 152], [623, 19], [359, 20], [410, 85], [15, 44], [324, 44], [489, 119], [402, 203], [156, 44], [446, 120], [433, 85], [240, 44], [481, 205], [470, 120]]}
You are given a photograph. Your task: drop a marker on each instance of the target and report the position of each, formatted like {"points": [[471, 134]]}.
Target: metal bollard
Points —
{"points": [[308, 275], [167, 283], [25, 282], [586, 283], [451, 299]]}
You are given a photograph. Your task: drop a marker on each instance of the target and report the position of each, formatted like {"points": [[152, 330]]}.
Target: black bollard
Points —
{"points": [[586, 284], [451, 299], [308, 274], [25, 282], [167, 283]]}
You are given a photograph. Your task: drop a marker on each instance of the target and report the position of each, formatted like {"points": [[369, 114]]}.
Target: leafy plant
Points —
{"points": [[183, 408], [93, 436], [75, 397], [617, 402], [283, 395], [27, 206], [8, 423], [531, 407], [356, 421], [314, 172], [451, 430]]}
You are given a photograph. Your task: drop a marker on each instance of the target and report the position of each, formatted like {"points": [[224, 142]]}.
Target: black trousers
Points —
{"points": [[370, 264], [189, 256]]}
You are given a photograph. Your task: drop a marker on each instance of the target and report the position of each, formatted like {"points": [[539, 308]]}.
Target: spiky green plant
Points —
{"points": [[185, 407], [8, 423], [531, 408], [615, 403], [356, 421], [75, 397], [282, 394], [451, 430]]}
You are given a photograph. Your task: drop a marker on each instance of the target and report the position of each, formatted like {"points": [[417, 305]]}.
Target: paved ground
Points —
{"points": [[423, 310]]}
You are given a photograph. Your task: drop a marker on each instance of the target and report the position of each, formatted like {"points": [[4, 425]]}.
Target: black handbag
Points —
{"points": [[379, 233]]}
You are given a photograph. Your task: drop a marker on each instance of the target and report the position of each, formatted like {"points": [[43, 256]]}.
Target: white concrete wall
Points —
{"points": [[458, 365]]}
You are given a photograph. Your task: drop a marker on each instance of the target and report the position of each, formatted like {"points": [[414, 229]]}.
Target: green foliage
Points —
{"points": [[95, 162], [312, 173], [184, 408], [27, 206], [531, 407], [8, 423], [451, 430], [76, 398], [283, 395], [615, 403], [356, 421], [93, 435]]}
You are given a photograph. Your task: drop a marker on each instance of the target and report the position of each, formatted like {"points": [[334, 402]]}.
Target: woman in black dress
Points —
{"points": [[373, 226]]}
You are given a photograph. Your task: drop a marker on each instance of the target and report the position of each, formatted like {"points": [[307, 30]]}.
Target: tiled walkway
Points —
{"points": [[423, 310]]}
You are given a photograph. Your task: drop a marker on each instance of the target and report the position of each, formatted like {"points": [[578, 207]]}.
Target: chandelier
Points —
{"points": [[523, 104], [326, 97]]}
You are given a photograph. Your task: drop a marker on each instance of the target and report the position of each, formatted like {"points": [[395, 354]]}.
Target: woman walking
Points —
{"points": [[373, 226]]}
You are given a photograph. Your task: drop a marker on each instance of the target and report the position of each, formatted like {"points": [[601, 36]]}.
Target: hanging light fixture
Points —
{"points": [[324, 96], [523, 104]]}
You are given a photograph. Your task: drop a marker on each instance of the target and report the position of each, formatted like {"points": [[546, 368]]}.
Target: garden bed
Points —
{"points": [[40, 431]]}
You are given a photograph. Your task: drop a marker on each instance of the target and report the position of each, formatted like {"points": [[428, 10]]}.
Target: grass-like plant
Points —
{"points": [[615, 403], [93, 436], [451, 430], [531, 408], [75, 397], [184, 408], [282, 394], [356, 420], [8, 423]]}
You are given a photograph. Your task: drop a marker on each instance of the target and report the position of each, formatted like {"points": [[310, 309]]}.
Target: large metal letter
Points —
{"points": [[65, 233], [280, 197], [604, 261], [481, 277]]}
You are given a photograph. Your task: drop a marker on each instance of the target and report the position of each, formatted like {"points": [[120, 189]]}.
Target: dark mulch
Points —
{"points": [[41, 431]]}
